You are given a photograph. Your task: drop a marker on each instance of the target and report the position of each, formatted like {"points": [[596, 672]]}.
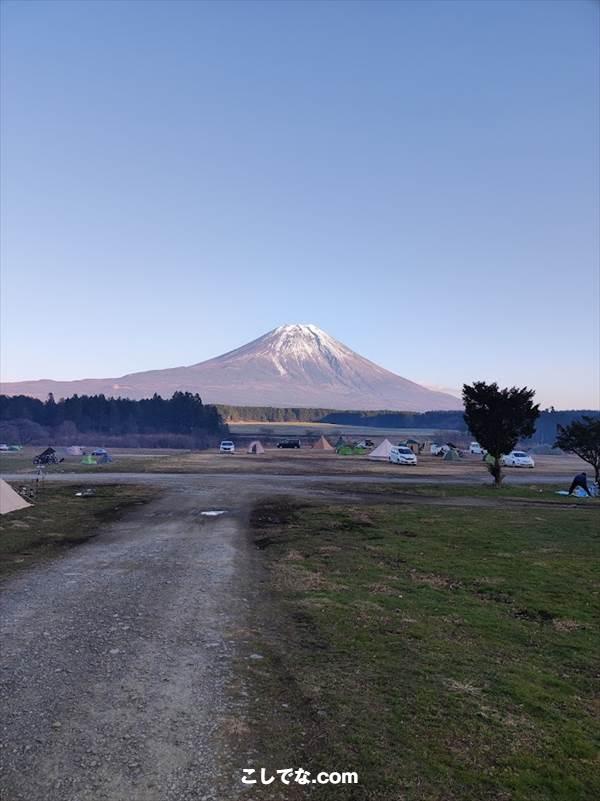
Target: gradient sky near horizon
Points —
{"points": [[419, 179]]}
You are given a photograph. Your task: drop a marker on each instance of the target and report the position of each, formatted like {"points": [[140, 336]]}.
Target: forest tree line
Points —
{"points": [[184, 421], [385, 419], [180, 421]]}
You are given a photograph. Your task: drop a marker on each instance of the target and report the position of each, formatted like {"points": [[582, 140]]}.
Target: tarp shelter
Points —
{"points": [[10, 500], [322, 445], [451, 455], [88, 459], [255, 447], [46, 457], [382, 451], [73, 450]]}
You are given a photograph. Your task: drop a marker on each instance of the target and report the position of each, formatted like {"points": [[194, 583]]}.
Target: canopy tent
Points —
{"points": [[382, 451], [10, 500], [255, 447], [322, 445], [88, 459]]}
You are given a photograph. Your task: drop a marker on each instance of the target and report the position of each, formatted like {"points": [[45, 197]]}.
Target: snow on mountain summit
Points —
{"points": [[300, 343]]}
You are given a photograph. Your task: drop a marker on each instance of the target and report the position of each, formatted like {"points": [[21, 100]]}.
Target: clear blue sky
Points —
{"points": [[420, 179]]}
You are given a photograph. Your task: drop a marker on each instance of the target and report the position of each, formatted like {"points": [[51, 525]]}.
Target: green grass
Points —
{"points": [[22, 463], [544, 493], [58, 518], [443, 653]]}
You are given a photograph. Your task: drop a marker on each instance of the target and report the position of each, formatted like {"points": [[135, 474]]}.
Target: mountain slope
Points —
{"points": [[293, 365]]}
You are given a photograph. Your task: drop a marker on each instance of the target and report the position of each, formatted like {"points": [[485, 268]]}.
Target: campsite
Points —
{"points": [[300, 400], [396, 563]]}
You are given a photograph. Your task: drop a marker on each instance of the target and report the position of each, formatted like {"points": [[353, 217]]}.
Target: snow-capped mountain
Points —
{"points": [[293, 365]]}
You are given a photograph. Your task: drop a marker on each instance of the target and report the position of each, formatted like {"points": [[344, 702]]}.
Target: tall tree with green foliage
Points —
{"points": [[498, 419], [582, 437]]}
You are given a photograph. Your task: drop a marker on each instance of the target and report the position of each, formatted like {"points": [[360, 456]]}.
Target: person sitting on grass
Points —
{"points": [[580, 480]]}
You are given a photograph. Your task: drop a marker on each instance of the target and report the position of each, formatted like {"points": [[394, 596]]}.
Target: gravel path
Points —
{"points": [[116, 658]]}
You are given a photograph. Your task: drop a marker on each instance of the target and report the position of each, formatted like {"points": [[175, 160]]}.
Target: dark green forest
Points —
{"points": [[184, 421], [190, 422]]}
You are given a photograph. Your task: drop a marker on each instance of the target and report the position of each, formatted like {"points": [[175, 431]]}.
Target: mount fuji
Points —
{"points": [[293, 365]]}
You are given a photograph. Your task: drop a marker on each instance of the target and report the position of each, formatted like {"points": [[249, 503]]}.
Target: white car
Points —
{"points": [[517, 459], [227, 446], [476, 448], [400, 454]]}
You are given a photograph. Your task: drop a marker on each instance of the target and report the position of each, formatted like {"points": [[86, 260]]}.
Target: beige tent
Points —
{"points": [[382, 451], [255, 447], [10, 500], [322, 445]]}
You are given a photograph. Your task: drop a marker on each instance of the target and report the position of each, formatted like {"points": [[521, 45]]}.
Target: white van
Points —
{"points": [[401, 454], [476, 448]]}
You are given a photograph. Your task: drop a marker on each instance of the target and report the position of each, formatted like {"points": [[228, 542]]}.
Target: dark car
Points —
{"points": [[289, 443]]}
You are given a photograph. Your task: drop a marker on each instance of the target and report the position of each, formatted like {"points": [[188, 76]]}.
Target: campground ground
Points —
{"points": [[434, 635], [305, 462]]}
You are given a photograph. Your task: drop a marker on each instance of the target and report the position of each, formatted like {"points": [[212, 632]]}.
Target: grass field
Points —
{"points": [[58, 518], [445, 654]]}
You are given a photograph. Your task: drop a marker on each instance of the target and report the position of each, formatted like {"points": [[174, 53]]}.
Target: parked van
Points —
{"points": [[476, 448], [402, 454]]}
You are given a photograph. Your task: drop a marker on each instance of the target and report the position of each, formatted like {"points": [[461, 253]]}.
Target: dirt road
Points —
{"points": [[116, 658]]}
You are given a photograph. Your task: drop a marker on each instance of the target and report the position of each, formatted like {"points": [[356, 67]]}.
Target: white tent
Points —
{"points": [[323, 445], [382, 451], [10, 500], [255, 447], [74, 450]]}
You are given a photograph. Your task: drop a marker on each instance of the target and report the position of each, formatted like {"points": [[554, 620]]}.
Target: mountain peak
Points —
{"points": [[294, 343], [295, 364]]}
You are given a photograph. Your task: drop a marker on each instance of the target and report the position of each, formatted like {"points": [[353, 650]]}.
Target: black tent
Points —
{"points": [[47, 457]]}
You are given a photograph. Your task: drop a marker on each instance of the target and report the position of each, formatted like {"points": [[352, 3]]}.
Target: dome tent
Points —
{"points": [[451, 455], [255, 447]]}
